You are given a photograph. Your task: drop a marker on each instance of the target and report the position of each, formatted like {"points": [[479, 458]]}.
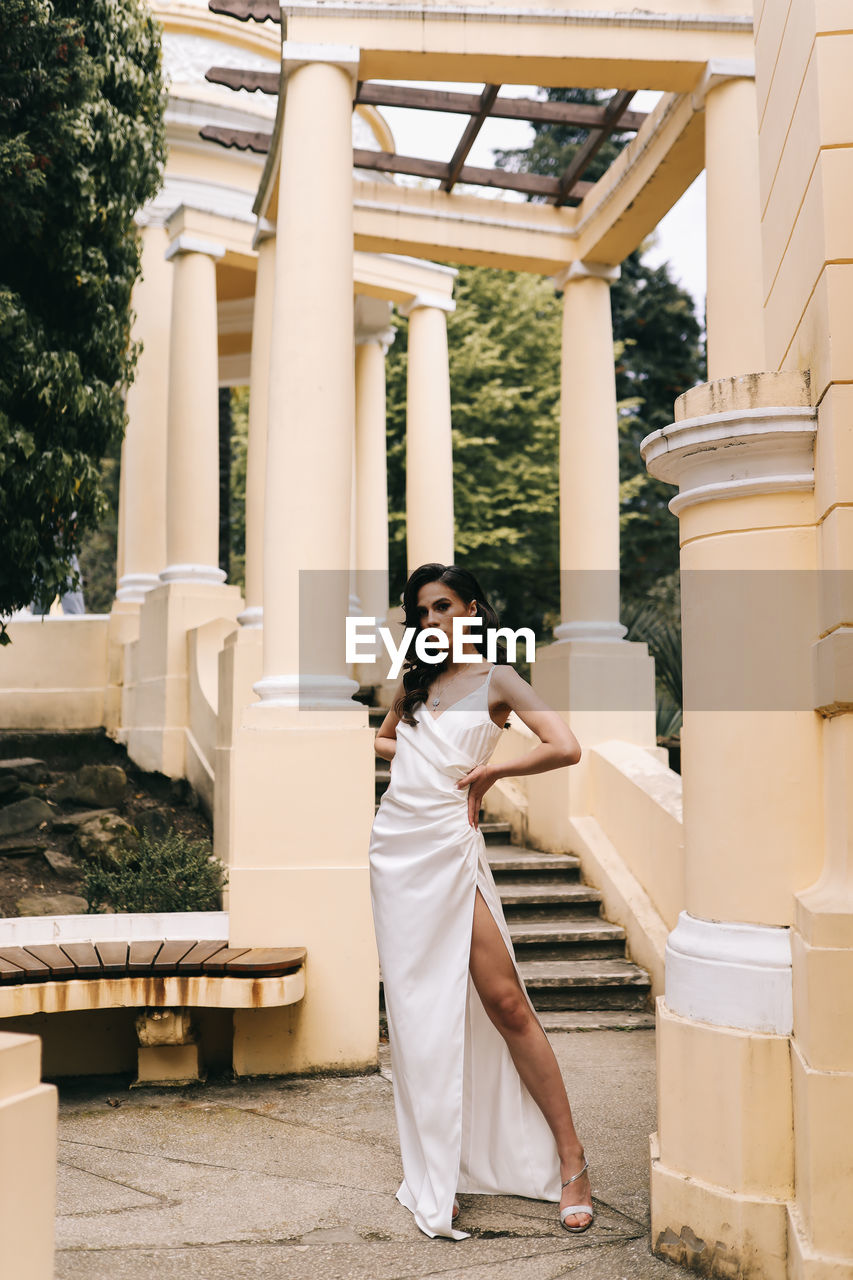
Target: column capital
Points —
{"points": [[718, 71], [438, 301], [265, 230], [186, 242], [382, 337], [587, 271], [295, 55]]}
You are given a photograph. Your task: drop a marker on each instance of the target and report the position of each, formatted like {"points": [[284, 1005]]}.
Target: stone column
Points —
{"points": [[298, 853], [373, 337], [192, 493], [603, 685], [141, 552], [157, 726], [735, 299], [741, 452], [429, 445], [252, 615], [142, 509]]}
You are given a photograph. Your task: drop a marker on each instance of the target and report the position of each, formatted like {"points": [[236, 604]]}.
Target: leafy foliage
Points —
{"points": [[173, 873], [659, 355], [82, 147]]}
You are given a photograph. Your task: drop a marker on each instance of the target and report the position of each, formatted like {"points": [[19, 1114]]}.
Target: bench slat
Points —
{"points": [[142, 956], [55, 959], [10, 972], [170, 953], [84, 957], [113, 956], [265, 960], [34, 970], [219, 962], [195, 958]]}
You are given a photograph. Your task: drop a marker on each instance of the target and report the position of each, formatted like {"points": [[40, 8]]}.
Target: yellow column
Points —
{"points": [[735, 298], [373, 337], [741, 451], [192, 493], [142, 509], [429, 445], [603, 685], [28, 1124], [157, 713], [252, 615], [311, 884], [589, 459]]}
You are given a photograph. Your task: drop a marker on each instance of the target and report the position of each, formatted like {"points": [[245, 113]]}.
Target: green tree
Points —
{"points": [[504, 339], [659, 355], [82, 147]]}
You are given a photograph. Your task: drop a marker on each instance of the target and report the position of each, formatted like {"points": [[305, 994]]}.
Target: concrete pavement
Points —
{"points": [[295, 1180]]}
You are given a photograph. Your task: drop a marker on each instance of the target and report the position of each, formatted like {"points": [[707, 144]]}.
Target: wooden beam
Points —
{"points": [[244, 78], [243, 10], [469, 136], [614, 109], [529, 183], [576, 113], [241, 139]]}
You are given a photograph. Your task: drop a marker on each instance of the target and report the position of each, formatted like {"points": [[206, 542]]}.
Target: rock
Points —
{"points": [[20, 848], [153, 822], [9, 786], [25, 769], [24, 815], [105, 837], [51, 904], [60, 863], [100, 785], [73, 821]]}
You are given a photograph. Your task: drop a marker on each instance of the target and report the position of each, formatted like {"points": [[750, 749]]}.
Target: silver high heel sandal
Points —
{"points": [[576, 1208]]}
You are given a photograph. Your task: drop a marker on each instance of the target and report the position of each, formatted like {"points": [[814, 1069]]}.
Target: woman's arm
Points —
{"points": [[385, 742], [558, 745]]}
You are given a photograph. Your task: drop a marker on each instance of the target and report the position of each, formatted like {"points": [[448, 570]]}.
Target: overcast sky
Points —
{"points": [[433, 135]]}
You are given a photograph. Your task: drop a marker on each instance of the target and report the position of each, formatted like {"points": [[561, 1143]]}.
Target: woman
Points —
{"points": [[479, 1099]]}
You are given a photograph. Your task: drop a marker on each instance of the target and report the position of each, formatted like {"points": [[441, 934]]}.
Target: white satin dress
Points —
{"points": [[466, 1120]]}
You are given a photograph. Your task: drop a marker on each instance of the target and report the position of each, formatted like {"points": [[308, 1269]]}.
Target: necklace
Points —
{"points": [[437, 698]]}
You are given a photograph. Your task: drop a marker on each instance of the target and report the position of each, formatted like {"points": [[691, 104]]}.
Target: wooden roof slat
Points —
{"points": [[245, 78], [243, 10], [530, 183], [469, 136], [242, 139], [614, 109], [584, 115], [84, 957], [34, 970], [55, 958]]}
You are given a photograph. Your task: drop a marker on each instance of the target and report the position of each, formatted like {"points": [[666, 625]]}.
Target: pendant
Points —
{"points": [[435, 702]]}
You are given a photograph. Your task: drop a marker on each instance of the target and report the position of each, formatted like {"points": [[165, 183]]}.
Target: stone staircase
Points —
{"points": [[571, 959]]}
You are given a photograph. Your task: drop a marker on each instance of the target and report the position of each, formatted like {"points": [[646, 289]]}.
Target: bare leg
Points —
{"points": [[497, 985]]}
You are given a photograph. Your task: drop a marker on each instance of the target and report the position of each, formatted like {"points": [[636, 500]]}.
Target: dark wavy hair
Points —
{"points": [[417, 675]]}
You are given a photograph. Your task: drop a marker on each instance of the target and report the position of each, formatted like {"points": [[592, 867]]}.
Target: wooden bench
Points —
{"points": [[163, 978]]}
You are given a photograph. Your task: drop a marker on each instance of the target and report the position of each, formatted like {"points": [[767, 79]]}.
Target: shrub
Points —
{"points": [[167, 873]]}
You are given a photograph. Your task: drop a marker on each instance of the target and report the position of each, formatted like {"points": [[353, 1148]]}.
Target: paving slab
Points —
{"points": [[294, 1179]]}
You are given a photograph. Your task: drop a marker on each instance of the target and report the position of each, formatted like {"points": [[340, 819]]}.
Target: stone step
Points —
{"points": [[585, 984], [575, 938], [509, 861], [597, 1020], [522, 900]]}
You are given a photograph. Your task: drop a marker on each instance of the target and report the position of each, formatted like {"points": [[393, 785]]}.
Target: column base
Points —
{"points": [[603, 690], [804, 1263], [714, 1231], [168, 1064], [156, 709], [299, 876]]}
